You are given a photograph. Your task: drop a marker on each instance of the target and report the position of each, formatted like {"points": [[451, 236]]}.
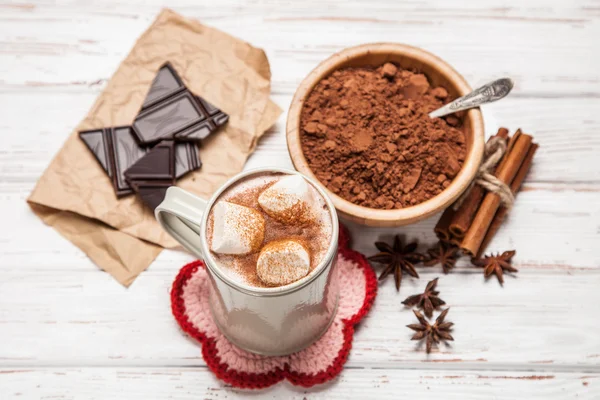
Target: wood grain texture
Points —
{"points": [[67, 330], [514, 327], [197, 383], [550, 226], [568, 151]]}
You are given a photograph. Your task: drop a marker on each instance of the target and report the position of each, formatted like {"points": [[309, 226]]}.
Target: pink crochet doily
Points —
{"points": [[319, 363]]}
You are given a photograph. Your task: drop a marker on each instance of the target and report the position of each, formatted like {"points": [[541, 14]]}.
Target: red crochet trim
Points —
{"points": [[259, 381]]}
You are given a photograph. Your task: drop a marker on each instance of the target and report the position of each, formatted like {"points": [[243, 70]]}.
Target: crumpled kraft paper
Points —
{"points": [[75, 196]]}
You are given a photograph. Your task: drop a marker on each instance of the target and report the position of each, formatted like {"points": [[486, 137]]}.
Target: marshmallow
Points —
{"points": [[289, 200], [236, 229], [282, 262]]}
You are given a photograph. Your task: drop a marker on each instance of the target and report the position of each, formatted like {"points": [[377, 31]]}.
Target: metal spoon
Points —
{"points": [[485, 94]]}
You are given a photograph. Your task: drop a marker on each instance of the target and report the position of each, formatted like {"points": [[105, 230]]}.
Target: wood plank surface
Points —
{"points": [[197, 383], [540, 316], [68, 330], [568, 151], [551, 225]]}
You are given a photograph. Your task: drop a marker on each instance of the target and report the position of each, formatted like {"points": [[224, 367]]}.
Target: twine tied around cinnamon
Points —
{"points": [[493, 153]]}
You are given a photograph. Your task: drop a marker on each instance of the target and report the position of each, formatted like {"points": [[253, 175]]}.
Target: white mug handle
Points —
{"points": [[180, 214]]}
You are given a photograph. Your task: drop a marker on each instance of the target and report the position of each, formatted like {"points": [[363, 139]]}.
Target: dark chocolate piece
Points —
{"points": [[216, 118], [116, 150], [166, 83], [98, 144], [154, 173], [171, 111], [151, 192], [171, 116], [157, 164], [127, 152], [186, 158]]}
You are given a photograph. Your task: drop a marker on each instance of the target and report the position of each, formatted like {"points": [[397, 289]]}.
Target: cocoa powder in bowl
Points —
{"points": [[366, 136]]}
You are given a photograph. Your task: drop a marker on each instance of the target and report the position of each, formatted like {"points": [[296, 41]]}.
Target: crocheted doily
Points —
{"points": [[318, 363]]}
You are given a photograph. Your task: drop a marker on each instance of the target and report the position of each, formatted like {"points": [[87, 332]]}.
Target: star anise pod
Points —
{"points": [[443, 253], [496, 264], [397, 258], [428, 300], [435, 333]]}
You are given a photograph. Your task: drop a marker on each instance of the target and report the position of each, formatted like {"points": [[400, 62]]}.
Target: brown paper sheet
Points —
{"points": [[74, 194]]}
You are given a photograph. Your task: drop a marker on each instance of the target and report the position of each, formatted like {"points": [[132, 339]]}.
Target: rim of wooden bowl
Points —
{"points": [[404, 216]]}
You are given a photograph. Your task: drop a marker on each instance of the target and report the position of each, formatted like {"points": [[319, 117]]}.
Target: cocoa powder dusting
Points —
{"points": [[367, 137], [298, 213], [308, 234]]}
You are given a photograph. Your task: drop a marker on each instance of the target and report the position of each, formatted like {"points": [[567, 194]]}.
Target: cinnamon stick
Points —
{"points": [[441, 228], [509, 146], [466, 212], [514, 187], [491, 202], [455, 241]]}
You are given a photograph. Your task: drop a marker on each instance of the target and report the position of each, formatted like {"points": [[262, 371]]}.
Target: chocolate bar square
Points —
{"points": [[171, 111], [153, 174], [116, 150], [186, 158], [165, 84]]}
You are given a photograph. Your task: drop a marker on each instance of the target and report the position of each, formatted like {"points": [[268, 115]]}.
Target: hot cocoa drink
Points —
{"points": [[269, 230]]}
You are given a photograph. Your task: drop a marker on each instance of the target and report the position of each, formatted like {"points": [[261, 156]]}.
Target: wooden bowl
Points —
{"points": [[439, 73]]}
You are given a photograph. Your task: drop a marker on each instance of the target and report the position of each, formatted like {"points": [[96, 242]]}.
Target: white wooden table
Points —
{"points": [[69, 331]]}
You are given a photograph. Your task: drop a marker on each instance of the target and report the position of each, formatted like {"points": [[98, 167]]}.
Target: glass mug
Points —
{"points": [[269, 321]]}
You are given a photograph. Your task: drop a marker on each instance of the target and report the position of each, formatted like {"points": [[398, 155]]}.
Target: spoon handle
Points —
{"points": [[485, 94]]}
